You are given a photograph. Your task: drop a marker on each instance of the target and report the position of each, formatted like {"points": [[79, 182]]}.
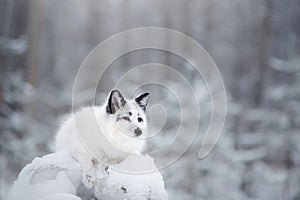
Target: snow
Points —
{"points": [[58, 176], [61, 197], [46, 176], [134, 178]]}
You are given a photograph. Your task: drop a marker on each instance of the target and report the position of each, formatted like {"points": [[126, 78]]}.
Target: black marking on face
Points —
{"points": [[123, 118], [126, 118], [115, 102], [142, 100], [118, 118]]}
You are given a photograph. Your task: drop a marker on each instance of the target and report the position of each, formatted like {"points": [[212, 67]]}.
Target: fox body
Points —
{"points": [[106, 133]]}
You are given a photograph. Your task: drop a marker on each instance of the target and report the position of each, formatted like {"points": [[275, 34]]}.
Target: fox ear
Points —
{"points": [[115, 102], [142, 100]]}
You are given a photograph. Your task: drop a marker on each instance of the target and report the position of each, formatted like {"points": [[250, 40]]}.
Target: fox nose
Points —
{"points": [[137, 132]]}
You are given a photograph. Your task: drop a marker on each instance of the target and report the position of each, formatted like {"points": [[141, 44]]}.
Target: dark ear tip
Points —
{"points": [[115, 91], [146, 94], [142, 96]]}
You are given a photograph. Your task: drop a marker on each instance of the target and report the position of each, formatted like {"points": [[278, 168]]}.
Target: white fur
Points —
{"points": [[91, 134]]}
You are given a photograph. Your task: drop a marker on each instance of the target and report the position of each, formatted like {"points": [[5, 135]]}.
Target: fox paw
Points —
{"points": [[88, 179]]}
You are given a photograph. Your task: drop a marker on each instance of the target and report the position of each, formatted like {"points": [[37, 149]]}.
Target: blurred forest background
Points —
{"points": [[255, 44]]}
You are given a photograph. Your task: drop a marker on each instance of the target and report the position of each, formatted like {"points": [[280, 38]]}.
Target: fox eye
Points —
{"points": [[140, 119], [130, 113], [126, 118]]}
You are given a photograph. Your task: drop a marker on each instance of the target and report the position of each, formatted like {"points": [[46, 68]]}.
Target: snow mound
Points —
{"points": [[58, 176], [134, 178]]}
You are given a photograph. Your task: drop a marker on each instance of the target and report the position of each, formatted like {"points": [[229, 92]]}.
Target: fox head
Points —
{"points": [[129, 115]]}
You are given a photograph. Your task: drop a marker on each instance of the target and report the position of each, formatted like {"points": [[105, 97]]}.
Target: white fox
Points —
{"points": [[106, 133]]}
